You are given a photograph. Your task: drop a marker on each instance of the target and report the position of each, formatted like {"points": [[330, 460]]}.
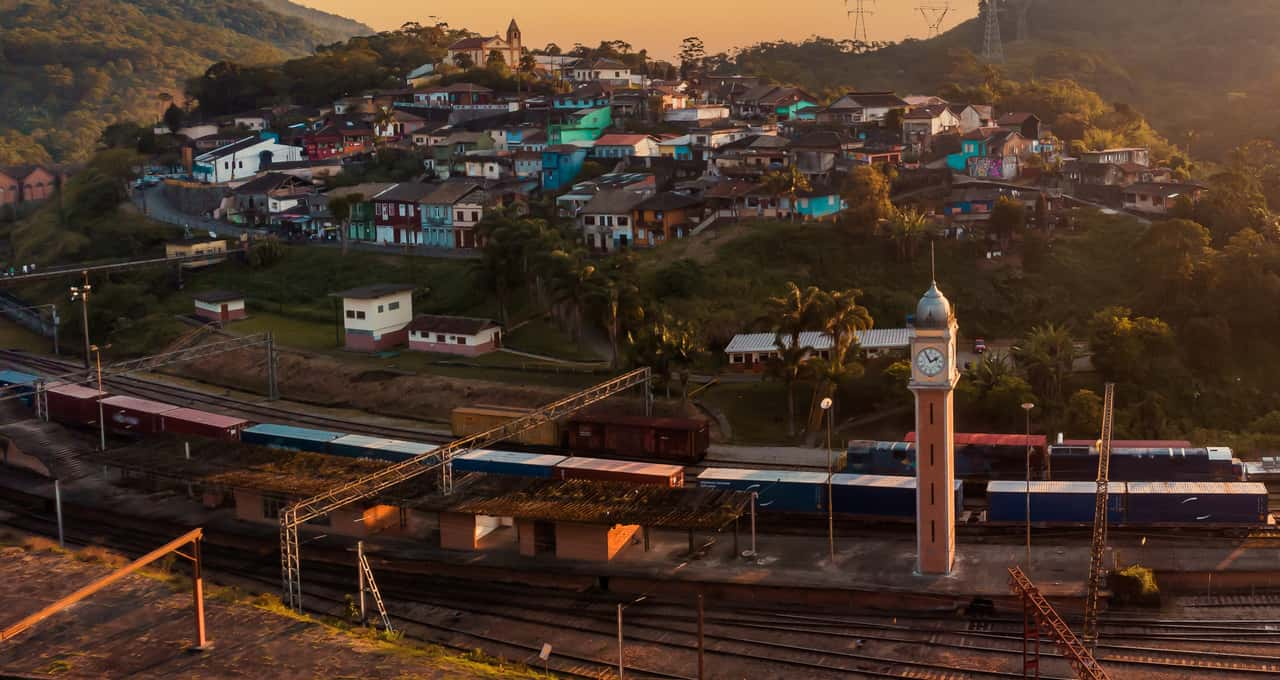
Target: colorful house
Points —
{"points": [[377, 317], [992, 153], [594, 96], [581, 126], [819, 203], [219, 305], [437, 213], [363, 227], [560, 165], [618, 145], [665, 216], [398, 215]]}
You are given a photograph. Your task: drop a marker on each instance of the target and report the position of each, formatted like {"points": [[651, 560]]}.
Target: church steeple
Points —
{"points": [[513, 33]]}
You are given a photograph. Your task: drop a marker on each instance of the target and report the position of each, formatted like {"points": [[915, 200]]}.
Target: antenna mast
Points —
{"points": [[935, 13], [992, 44], [860, 14]]}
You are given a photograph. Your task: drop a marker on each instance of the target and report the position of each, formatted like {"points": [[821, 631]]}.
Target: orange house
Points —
{"points": [[665, 216]]}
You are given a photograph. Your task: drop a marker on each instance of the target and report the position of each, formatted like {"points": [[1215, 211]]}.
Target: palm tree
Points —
{"points": [[989, 371], [570, 289], [684, 349], [789, 183], [341, 209], [790, 314], [907, 229], [842, 318], [616, 302], [1047, 355]]}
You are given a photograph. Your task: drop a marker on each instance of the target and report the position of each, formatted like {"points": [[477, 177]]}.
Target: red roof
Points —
{"points": [[619, 139], [971, 439], [1133, 443], [75, 391], [205, 418]]}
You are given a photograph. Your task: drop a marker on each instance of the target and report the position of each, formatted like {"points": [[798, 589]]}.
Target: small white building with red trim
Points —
{"points": [[376, 317], [219, 305], [454, 335]]}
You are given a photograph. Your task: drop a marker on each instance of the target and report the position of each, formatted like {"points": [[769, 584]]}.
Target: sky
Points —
{"points": [[656, 25]]}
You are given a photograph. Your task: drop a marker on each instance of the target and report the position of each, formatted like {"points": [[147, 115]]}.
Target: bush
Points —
{"points": [[680, 279], [1135, 585]]}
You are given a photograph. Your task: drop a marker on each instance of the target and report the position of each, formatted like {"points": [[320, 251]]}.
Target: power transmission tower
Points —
{"points": [[1039, 617], [860, 14], [934, 14], [992, 45], [1024, 20], [1097, 572]]}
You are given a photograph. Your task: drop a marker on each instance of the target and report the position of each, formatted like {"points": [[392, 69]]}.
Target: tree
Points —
{"points": [[692, 52], [341, 209], [790, 314], [1173, 255], [495, 61], [173, 118], [1131, 349], [166, 100], [463, 61], [528, 64], [790, 183], [552, 49], [893, 120], [1047, 355], [384, 121], [866, 189], [907, 230], [1007, 218], [1083, 417], [841, 318]]}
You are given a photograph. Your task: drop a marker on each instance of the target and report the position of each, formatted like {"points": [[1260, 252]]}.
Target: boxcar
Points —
{"points": [[508, 463], [879, 495], [289, 437], [73, 404], [131, 415], [18, 382], [1052, 502], [620, 471], [777, 490], [469, 420], [683, 440], [204, 424], [1196, 503], [979, 457]]}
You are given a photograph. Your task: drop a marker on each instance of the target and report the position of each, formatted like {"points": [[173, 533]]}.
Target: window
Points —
{"points": [[439, 337], [351, 314], [624, 221], [462, 340], [460, 216], [359, 315], [931, 490], [393, 306], [589, 220], [402, 207], [271, 507], [380, 309], [735, 358], [933, 531], [930, 414], [931, 455], [475, 216]]}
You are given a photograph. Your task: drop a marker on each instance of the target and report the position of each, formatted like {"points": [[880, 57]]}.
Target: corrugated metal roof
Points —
{"points": [[1084, 488], [620, 466], [140, 405], [1194, 488], [875, 338], [511, 457], [206, 418], [296, 432], [9, 377], [75, 391], [762, 476]]}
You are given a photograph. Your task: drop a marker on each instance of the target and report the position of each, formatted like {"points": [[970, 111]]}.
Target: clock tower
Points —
{"points": [[933, 379]]}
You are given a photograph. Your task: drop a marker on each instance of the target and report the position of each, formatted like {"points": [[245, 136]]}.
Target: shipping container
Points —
{"points": [[1038, 441], [879, 495], [508, 463], [468, 420], [377, 448], [777, 490], [397, 450], [1080, 463], [289, 437], [1196, 503], [1053, 502], [17, 382], [131, 415], [1132, 443], [683, 440], [204, 424], [1001, 457], [620, 471], [73, 404]]}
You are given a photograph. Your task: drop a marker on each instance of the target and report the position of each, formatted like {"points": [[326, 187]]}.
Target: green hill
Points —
{"points": [[337, 27], [1201, 71], [69, 68]]}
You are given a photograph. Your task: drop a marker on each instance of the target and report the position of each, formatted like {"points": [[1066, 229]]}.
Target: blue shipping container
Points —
{"points": [[1196, 503], [25, 382], [778, 490], [1053, 502], [362, 446], [397, 450], [880, 495], [289, 437], [508, 463]]}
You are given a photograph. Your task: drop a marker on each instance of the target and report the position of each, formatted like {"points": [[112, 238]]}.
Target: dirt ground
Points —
{"points": [[142, 627]]}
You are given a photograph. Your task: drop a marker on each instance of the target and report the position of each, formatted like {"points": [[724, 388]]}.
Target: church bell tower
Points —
{"points": [[933, 379]]}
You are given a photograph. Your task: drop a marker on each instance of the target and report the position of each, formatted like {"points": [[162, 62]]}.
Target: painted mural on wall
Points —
{"points": [[986, 167]]}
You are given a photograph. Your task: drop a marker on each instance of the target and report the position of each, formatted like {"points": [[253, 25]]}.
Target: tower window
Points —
{"points": [[931, 463], [933, 531], [931, 414], [931, 490]]}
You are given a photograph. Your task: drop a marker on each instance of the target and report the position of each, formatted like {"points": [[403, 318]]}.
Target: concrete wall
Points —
{"points": [[457, 531], [366, 342], [524, 535], [592, 542]]}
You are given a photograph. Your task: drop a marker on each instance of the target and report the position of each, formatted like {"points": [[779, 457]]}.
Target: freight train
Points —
{"points": [[981, 458], [1135, 503], [677, 440]]}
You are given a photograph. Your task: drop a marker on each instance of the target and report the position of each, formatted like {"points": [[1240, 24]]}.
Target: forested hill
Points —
{"points": [[1201, 71], [336, 28], [68, 68]]}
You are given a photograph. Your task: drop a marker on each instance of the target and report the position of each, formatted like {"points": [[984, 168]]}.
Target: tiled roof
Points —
{"points": [[669, 201], [406, 192], [449, 193], [619, 139], [876, 99], [472, 43]]}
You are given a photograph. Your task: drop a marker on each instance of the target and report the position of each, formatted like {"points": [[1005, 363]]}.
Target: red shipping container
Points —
{"points": [[132, 415], [683, 440], [73, 404], [620, 471], [204, 424]]}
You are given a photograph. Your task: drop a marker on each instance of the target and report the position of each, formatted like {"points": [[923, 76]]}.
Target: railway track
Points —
{"points": [[660, 635]]}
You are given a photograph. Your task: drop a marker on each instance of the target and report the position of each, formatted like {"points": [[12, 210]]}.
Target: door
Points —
{"points": [[544, 537], [226, 313]]}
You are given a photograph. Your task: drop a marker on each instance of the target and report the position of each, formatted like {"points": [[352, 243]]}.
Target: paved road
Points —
{"points": [[155, 205]]}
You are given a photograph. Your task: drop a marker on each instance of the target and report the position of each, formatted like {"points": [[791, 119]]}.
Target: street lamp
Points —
{"points": [[102, 421], [81, 293], [1026, 408], [831, 517]]}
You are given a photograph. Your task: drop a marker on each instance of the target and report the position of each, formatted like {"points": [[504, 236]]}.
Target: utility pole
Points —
{"points": [[102, 421], [273, 387], [620, 662], [57, 504], [701, 640], [831, 510], [360, 577], [1026, 408], [81, 293]]}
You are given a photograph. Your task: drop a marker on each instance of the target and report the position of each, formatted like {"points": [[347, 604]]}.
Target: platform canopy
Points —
{"points": [[592, 502]]}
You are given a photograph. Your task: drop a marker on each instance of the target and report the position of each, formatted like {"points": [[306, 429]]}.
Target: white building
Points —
{"points": [[694, 114], [376, 317], [752, 351], [243, 159]]}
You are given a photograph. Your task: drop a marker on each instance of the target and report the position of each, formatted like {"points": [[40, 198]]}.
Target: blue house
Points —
{"points": [[819, 203], [560, 165], [437, 212]]}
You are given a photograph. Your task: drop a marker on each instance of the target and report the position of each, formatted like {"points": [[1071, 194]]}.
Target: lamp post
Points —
{"points": [[1026, 408], [831, 517], [81, 293]]}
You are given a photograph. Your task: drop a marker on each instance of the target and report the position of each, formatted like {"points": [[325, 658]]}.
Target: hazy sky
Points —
{"points": [[657, 25]]}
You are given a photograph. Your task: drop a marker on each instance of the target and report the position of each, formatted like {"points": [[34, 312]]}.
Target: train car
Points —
{"points": [[1189, 503], [1052, 502], [468, 420], [1132, 443], [978, 457], [508, 463], [777, 490], [73, 404], [879, 495], [1204, 464], [682, 440], [620, 471], [376, 448], [204, 424], [289, 437], [131, 415], [18, 382]]}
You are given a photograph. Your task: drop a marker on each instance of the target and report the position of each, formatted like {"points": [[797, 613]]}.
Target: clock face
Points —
{"points": [[930, 361]]}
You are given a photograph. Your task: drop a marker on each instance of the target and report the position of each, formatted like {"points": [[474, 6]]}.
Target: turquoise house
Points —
{"points": [[791, 111], [561, 165], [589, 97], [581, 126], [437, 212], [819, 204]]}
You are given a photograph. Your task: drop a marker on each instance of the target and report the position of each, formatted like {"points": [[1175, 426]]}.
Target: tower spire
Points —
{"points": [[933, 265]]}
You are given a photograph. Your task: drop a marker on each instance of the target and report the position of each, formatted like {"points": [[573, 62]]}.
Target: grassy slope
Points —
{"points": [[333, 26]]}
